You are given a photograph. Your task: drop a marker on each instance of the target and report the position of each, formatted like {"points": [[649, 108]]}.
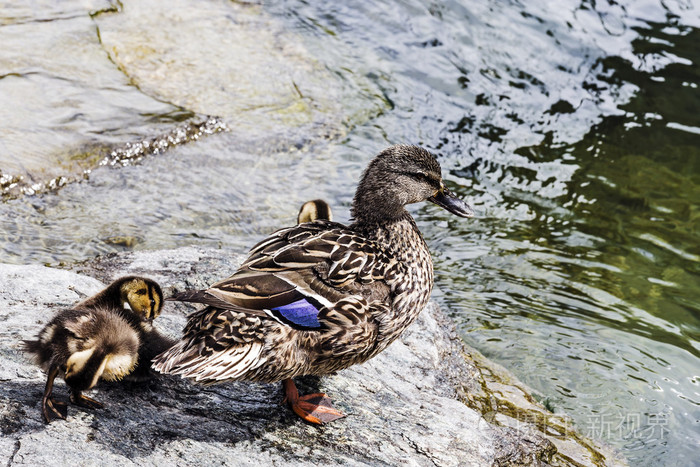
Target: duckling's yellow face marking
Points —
{"points": [[143, 297], [308, 213]]}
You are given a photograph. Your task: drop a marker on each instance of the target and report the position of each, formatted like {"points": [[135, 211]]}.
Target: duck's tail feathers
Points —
{"points": [[207, 298], [232, 363], [194, 296]]}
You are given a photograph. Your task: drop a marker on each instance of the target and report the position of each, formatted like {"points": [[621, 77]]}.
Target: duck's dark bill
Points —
{"points": [[449, 201]]}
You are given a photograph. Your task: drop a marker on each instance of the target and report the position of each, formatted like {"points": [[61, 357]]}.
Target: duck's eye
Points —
{"points": [[424, 177], [141, 292], [430, 180]]}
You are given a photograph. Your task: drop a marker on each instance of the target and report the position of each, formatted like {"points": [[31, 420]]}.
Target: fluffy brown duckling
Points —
{"points": [[83, 345], [139, 301], [102, 337], [314, 209]]}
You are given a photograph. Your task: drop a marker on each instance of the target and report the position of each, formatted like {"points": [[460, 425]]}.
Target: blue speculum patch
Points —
{"points": [[301, 313]]}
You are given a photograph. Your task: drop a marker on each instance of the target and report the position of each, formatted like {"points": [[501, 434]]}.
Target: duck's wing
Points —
{"points": [[321, 258], [338, 255], [312, 277], [296, 273]]}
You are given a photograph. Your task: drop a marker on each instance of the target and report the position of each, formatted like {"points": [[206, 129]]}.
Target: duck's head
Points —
{"points": [[398, 176], [144, 296], [315, 209]]}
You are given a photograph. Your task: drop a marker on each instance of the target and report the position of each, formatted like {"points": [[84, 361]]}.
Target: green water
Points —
{"points": [[574, 131]]}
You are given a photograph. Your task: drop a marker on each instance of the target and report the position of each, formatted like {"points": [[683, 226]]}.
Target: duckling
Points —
{"points": [[139, 301], [83, 345], [112, 331], [314, 209], [319, 297]]}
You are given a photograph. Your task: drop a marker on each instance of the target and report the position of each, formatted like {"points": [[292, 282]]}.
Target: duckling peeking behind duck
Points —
{"points": [[99, 339], [314, 209], [319, 297]]}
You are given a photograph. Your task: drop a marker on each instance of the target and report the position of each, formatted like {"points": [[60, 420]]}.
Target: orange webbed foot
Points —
{"points": [[314, 408]]}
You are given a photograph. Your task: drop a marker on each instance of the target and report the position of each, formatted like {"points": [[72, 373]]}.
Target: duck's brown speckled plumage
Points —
{"points": [[369, 281]]}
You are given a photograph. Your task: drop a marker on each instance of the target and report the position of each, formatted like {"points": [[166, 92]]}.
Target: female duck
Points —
{"points": [[99, 339], [319, 297]]}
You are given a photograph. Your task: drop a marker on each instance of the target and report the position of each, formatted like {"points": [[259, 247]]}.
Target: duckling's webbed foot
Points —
{"points": [[84, 401], [53, 410], [314, 408]]}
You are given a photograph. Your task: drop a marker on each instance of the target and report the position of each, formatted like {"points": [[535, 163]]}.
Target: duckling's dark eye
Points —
{"points": [[76, 337], [141, 292]]}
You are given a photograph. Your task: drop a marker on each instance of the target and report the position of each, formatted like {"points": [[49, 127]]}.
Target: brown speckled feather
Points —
{"points": [[322, 262]]}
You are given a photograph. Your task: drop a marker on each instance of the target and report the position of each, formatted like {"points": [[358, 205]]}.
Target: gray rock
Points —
{"points": [[427, 400]]}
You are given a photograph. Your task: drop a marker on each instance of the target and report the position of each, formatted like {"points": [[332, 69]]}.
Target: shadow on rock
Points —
{"points": [[138, 417], [19, 407]]}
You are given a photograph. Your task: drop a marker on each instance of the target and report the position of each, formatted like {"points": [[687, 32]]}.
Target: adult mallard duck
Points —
{"points": [[105, 336], [319, 297]]}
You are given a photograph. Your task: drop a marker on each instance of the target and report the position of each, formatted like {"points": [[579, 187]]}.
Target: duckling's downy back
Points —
{"points": [[87, 345]]}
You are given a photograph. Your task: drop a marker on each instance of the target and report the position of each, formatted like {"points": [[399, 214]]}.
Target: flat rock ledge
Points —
{"points": [[428, 400]]}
